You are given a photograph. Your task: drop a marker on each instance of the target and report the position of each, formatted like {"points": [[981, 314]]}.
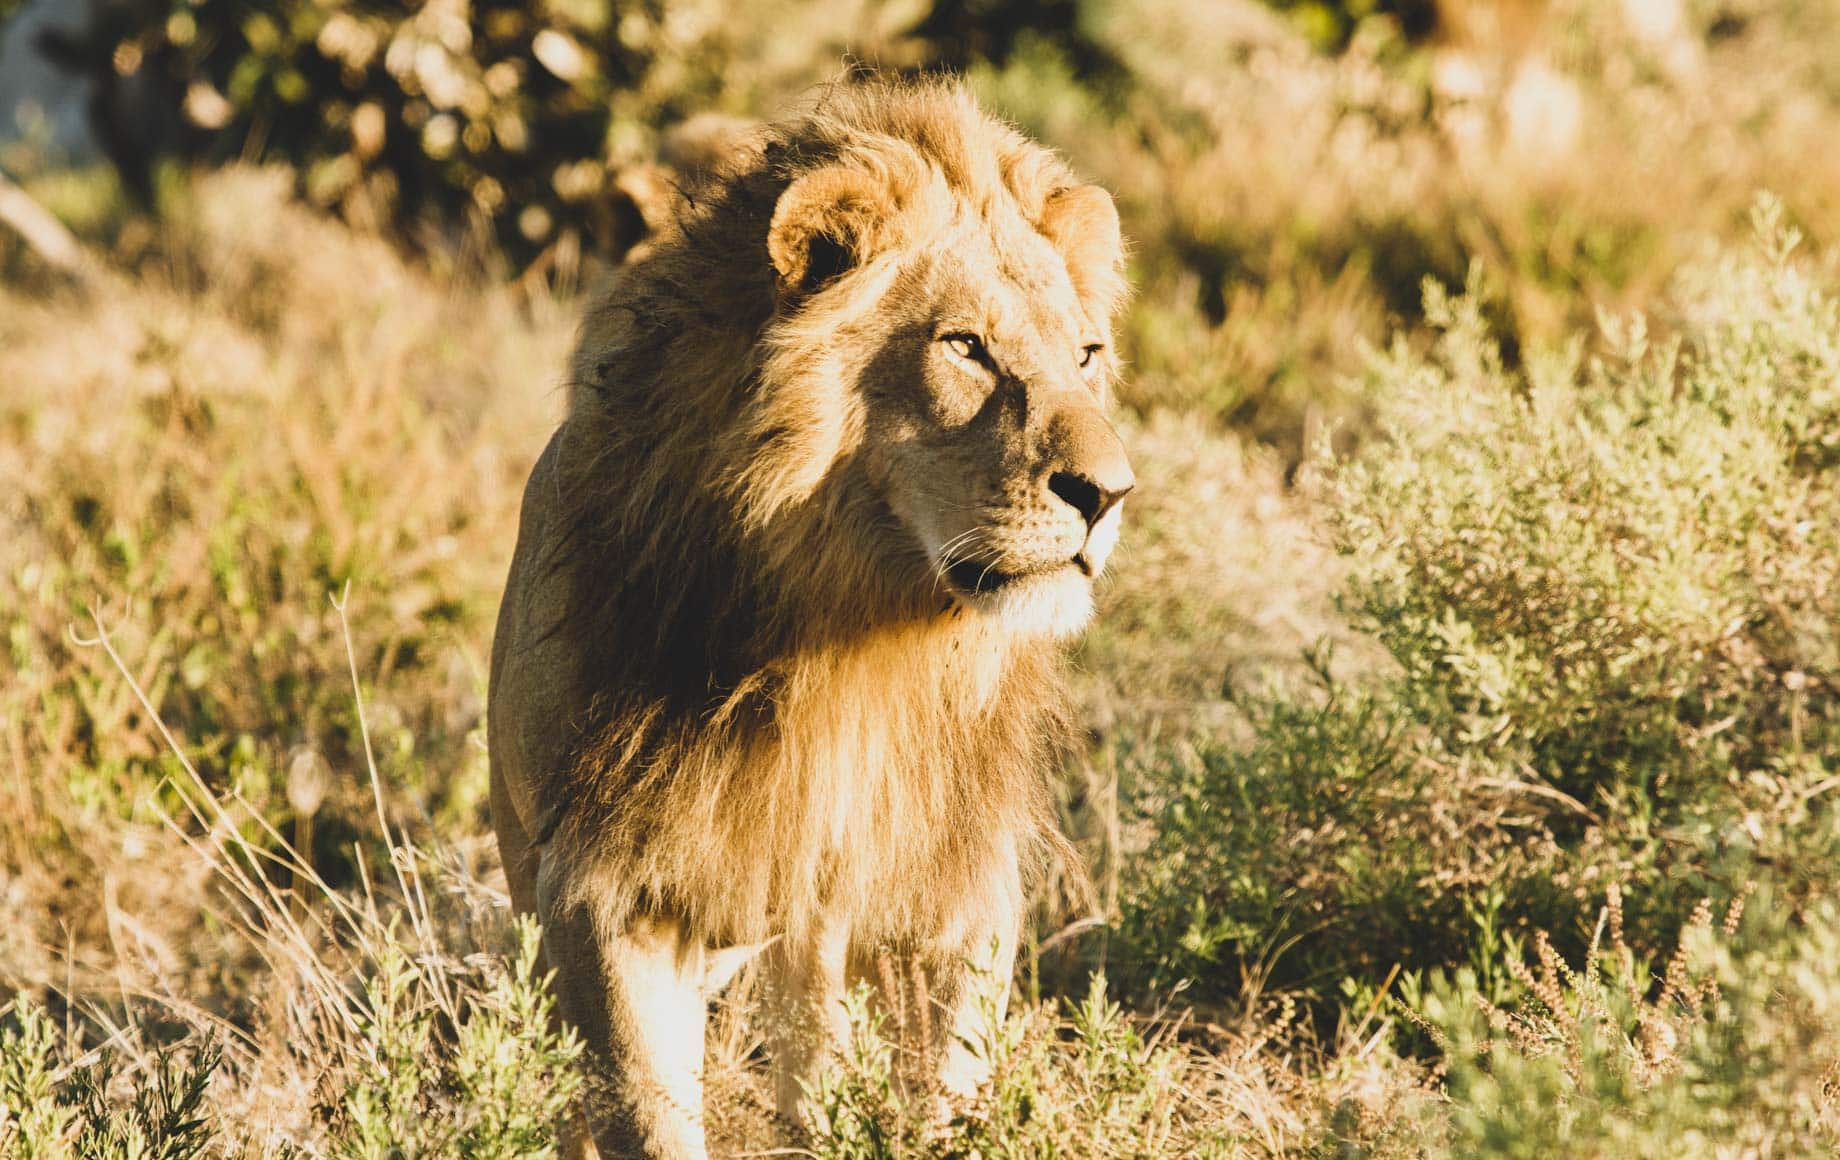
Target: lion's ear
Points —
{"points": [[1081, 223], [824, 225]]}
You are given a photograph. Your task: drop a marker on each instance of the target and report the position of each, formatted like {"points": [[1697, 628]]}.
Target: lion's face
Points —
{"points": [[968, 349], [986, 419]]}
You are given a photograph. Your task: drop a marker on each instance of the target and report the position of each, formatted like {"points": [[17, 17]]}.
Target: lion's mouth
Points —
{"points": [[972, 576], [1043, 598]]}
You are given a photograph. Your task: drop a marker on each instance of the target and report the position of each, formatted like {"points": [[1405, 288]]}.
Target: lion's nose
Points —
{"points": [[1087, 467], [1086, 495]]}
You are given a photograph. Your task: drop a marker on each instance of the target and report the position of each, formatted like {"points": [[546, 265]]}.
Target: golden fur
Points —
{"points": [[778, 655]]}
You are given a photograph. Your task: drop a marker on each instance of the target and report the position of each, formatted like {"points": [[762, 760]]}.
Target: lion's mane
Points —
{"points": [[778, 729]]}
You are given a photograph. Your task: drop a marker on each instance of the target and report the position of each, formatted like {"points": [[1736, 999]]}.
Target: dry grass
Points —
{"points": [[273, 412]]}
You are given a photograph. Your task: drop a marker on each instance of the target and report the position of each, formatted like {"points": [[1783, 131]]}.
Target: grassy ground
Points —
{"points": [[1465, 704]]}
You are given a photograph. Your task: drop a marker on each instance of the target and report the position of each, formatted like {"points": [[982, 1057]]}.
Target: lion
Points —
{"points": [[779, 667]]}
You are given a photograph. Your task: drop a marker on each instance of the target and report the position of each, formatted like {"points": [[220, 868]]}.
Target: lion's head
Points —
{"points": [[922, 422], [977, 369]]}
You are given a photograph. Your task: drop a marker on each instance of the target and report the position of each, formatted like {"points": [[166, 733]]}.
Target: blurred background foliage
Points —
{"points": [[1330, 24], [431, 119], [445, 115], [454, 114], [1289, 172]]}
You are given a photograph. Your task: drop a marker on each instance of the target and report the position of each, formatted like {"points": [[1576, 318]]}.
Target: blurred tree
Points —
{"points": [[960, 33], [132, 123], [499, 114], [1330, 23], [507, 118], [496, 112]]}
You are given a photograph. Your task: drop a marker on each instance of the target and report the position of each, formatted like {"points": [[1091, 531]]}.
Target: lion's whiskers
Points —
{"points": [[948, 556]]}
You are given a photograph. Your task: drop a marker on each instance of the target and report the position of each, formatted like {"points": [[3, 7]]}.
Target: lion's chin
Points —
{"points": [[1054, 604]]}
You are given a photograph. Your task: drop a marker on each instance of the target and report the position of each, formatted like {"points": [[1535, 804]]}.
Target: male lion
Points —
{"points": [[777, 662]]}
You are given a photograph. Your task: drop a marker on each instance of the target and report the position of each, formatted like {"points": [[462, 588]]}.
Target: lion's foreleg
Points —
{"points": [[636, 997], [972, 990], [806, 1020]]}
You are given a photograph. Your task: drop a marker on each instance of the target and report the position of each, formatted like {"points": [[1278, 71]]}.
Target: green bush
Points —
{"points": [[441, 1062], [1609, 588], [1084, 1082], [51, 1108], [498, 1089], [33, 1122], [1730, 1052]]}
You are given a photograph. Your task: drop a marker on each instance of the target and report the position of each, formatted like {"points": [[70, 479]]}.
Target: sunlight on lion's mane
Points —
{"points": [[795, 724]]}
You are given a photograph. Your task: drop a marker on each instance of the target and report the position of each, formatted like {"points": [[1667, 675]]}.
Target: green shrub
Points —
{"points": [[1726, 1051], [1081, 1083], [440, 1061], [497, 1091], [1617, 578], [1315, 823], [164, 1116], [34, 1123], [52, 1108], [1609, 589]]}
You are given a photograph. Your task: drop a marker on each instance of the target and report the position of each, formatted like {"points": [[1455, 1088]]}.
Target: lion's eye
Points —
{"points": [[968, 347], [1089, 353]]}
